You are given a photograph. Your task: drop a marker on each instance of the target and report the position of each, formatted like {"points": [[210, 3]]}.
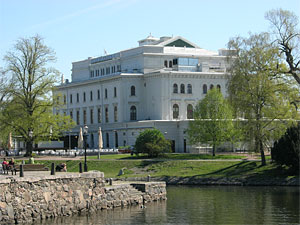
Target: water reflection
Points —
{"points": [[205, 205]]}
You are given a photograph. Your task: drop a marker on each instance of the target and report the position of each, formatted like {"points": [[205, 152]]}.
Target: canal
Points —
{"points": [[205, 205]]}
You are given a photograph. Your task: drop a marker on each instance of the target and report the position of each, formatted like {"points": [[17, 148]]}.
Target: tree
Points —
{"points": [[286, 151], [28, 110], [152, 142], [287, 35], [255, 93], [212, 121]]}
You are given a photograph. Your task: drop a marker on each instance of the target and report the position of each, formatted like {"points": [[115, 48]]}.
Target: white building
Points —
{"points": [[156, 84]]}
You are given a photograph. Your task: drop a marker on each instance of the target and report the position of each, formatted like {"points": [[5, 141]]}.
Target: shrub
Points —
{"points": [[152, 142], [286, 150]]}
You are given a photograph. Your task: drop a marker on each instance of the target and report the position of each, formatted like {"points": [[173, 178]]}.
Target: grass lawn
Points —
{"points": [[178, 168]]}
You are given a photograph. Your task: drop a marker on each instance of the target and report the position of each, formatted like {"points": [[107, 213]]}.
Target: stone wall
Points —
{"points": [[28, 199]]}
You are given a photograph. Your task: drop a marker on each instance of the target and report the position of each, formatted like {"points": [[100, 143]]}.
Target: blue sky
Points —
{"points": [[77, 29]]}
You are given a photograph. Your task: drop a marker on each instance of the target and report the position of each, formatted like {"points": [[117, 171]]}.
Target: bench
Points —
{"points": [[28, 167]]}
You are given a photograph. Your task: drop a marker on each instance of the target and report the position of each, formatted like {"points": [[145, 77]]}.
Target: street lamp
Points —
{"points": [[85, 131]]}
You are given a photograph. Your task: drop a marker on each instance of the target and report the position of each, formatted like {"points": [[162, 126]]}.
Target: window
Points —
{"points": [[182, 89], [99, 115], [84, 98], [118, 68], [65, 99], [115, 92], [170, 64], [219, 87], [77, 97], [71, 98], [106, 114], [204, 89], [105, 93], [107, 140], [91, 95], [175, 88], [175, 61], [132, 91], [189, 89], [166, 63], [92, 116], [116, 114], [190, 111], [84, 116], [107, 70], [77, 117], [133, 113], [116, 140], [98, 94], [175, 111], [211, 86], [71, 115]]}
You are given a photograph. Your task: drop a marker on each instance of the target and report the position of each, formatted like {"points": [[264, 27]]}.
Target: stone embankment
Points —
{"points": [[29, 199]]}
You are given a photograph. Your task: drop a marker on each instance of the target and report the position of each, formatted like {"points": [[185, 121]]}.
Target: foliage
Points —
{"points": [[263, 101], [28, 110], [212, 121], [286, 151], [286, 33], [152, 142]]}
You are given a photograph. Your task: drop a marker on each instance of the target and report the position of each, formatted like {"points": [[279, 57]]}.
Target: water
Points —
{"points": [[205, 205]]}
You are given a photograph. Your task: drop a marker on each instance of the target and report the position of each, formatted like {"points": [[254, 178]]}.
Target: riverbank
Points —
{"points": [[203, 172]]}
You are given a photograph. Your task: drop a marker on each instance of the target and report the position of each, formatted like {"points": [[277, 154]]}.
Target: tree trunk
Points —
{"points": [[263, 159], [214, 150], [29, 148]]}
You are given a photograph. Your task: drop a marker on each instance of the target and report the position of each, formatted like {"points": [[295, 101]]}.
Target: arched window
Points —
{"points": [[170, 64], [175, 88], [189, 89], [166, 63], [132, 91], [133, 113], [182, 89], [219, 87], [175, 111], [190, 111], [116, 114], [211, 86], [204, 89]]}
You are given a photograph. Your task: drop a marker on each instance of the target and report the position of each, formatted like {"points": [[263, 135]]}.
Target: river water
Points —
{"points": [[205, 205]]}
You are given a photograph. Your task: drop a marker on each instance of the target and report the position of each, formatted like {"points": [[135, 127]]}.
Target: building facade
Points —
{"points": [[156, 84]]}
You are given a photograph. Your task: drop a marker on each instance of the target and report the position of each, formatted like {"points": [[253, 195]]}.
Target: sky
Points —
{"points": [[78, 29]]}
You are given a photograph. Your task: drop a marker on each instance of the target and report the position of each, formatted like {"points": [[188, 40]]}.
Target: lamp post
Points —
{"points": [[85, 131]]}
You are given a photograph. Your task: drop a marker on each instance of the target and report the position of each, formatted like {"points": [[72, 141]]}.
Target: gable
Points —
{"points": [[180, 43]]}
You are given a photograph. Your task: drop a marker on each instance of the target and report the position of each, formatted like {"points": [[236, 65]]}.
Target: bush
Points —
{"points": [[152, 142], [286, 150]]}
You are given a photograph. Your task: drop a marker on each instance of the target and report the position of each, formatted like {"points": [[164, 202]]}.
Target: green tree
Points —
{"points": [[213, 122], [255, 94], [286, 151], [152, 142], [286, 33], [28, 110]]}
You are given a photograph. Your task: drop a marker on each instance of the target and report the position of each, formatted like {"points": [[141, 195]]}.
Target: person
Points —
{"points": [[61, 167], [11, 163], [5, 165]]}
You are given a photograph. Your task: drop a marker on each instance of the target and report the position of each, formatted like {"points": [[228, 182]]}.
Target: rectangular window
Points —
{"points": [[84, 116], [92, 116], [115, 92], [84, 96], [71, 115], [99, 115], [65, 99], [106, 115], [71, 98], [77, 97], [91, 95], [105, 93], [98, 94], [78, 117], [116, 114]]}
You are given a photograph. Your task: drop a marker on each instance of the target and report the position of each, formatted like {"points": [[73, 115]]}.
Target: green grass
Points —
{"points": [[170, 156], [178, 168]]}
